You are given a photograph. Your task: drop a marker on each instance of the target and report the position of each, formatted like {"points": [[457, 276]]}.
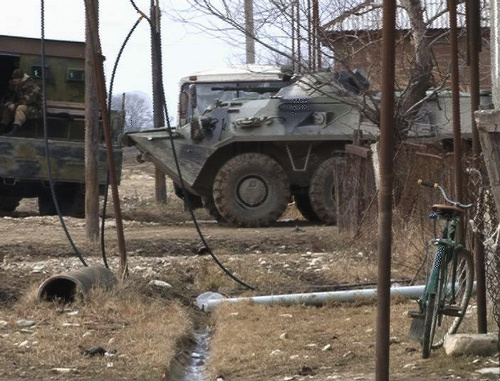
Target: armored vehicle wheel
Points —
{"points": [[9, 203], [209, 204], [251, 190], [303, 204], [322, 193]]}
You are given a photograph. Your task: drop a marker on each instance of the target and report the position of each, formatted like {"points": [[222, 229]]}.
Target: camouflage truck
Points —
{"points": [[24, 171]]}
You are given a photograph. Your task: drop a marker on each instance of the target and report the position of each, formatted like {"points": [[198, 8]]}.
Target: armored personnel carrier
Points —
{"points": [[23, 162], [245, 158]]}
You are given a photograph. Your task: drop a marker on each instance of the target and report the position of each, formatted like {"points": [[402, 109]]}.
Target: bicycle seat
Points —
{"points": [[447, 211]]}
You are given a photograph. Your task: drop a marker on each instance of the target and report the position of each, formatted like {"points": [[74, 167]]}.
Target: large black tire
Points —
{"points": [[429, 323], [251, 190], [452, 312], [9, 203], [322, 192], [45, 205], [211, 208], [303, 205]]}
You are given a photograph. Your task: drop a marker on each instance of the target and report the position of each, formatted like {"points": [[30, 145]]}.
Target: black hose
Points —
{"points": [[184, 191], [110, 96], [46, 137]]}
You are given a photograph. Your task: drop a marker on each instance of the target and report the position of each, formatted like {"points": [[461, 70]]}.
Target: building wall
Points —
{"points": [[364, 52]]}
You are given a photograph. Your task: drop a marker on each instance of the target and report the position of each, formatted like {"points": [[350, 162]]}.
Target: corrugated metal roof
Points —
{"points": [[364, 16]]}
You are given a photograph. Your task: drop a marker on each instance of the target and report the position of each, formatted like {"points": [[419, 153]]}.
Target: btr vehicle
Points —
{"points": [[24, 172], [243, 158]]}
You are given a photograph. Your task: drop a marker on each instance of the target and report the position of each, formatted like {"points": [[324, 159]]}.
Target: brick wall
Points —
{"points": [[363, 51]]}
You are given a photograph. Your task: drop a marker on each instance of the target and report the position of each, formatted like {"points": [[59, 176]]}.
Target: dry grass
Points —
{"points": [[253, 342], [145, 332]]}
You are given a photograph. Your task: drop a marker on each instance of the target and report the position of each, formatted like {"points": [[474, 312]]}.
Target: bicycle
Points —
{"points": [[448, 288]]}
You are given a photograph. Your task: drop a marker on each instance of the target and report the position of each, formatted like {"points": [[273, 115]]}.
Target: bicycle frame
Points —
{"points": [[449, 284], [447, 248]]}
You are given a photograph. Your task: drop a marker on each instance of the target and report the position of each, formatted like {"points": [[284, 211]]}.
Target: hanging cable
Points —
{"points": [[46, 138], [110, 96], [184, 190]]}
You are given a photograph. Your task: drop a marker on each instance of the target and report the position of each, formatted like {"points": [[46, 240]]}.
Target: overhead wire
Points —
{"points": [[46, 138]]}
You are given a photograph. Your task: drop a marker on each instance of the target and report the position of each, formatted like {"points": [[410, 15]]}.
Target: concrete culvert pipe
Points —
{"points": [[65, 287]]}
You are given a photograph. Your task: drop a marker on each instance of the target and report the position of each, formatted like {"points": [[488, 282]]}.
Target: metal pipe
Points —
{"points": [[384, 232], [474, 44], [315, 298], [67, 286]]}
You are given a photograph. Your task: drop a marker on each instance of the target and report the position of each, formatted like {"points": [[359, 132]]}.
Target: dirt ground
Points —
{"points": [[248, 342]]}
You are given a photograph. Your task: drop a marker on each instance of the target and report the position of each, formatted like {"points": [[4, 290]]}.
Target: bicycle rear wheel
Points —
{"points": [[429, 322], [451, 312]]}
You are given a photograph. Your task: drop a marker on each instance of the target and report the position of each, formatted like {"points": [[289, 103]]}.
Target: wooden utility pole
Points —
{"points": [[249, 32], [91, 143], [97, 59], [158, 96]]}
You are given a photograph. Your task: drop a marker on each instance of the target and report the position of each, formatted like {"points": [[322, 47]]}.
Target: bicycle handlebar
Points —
{"points": [[431, 184]]}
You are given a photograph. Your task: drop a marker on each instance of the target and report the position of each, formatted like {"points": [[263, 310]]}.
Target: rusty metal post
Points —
{"points": [[97, 58], [317, 40], [457, 135], [299, 53], [474, 47], [386, 188]]}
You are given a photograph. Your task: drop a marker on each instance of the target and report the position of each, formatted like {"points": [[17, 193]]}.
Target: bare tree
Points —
{"points": [[351, 29], [138, 110]]}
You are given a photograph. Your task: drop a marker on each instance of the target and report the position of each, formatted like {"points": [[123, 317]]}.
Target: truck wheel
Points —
{"points": [[9, 203], [322, 192], [251, 190], [209, 204], [303, 205], [45, 205], [71, 203]]}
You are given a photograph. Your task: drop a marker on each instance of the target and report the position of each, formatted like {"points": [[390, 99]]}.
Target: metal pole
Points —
{"points": [[97, 58], [310, 299], [249, 32], [457, 136], [386, 188], [474, 41], [158, 115], [292, 20], [299, 53], [310, 36], [317, 45]]}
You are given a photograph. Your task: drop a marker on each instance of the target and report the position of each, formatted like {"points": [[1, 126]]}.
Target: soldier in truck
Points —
{"points": [[22, 101]]}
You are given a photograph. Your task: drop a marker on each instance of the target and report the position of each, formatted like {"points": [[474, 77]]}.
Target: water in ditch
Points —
{"points": [[198, 357]]}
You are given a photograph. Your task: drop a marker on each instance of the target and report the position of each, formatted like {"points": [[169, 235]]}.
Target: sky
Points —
{"points": [[185, 49]]}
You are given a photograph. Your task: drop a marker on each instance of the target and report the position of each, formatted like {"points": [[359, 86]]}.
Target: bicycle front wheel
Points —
{"points": [[429, 324], [453, 297]]}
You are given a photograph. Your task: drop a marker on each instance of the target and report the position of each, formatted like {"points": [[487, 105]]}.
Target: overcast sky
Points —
{"points": [[185, 49]]}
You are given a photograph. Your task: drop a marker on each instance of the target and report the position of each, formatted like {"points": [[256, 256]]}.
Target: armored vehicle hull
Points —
{"points": [[244, 159]]}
